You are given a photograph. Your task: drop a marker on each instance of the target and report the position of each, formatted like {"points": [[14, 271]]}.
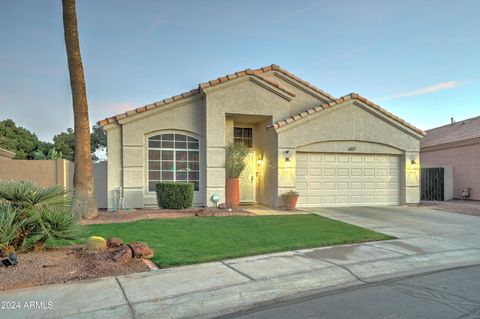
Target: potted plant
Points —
{"points": [[290, 199], [235, 154]]}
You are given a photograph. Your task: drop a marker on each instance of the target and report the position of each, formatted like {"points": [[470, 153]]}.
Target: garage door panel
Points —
{"points": [[356, 185], [382, 159], [368, 185], [343, 158], [356, 158], [329, 158], [302, 172], [329, 172], [343, 199], [329, 185], [302, 186], [369, 158], [302, 158], [381, 185], [348, 179], [382, 172], [343, 186], [355, 172]]}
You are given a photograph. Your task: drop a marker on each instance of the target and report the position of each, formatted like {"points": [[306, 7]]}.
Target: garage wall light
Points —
{"points": [[287, 158]]}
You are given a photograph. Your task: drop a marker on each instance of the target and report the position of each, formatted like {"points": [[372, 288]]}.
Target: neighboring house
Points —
{"points": [[6, 155], [335, 152], [455, 145]]}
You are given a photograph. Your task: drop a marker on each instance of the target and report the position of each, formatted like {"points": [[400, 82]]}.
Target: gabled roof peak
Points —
{"points": [[351, 96], [250, 72]]}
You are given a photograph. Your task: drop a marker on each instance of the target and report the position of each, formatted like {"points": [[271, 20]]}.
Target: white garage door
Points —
{"points": [[334, 179]]}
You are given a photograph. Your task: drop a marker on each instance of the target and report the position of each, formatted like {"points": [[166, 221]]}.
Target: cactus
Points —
{"points": [[96, 243]]}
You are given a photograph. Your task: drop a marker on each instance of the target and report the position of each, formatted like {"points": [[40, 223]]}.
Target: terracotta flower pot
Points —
{"points": [[232, 192], [290, 203]]}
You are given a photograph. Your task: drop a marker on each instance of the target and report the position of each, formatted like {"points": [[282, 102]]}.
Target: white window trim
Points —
{"points": [[174, 156]]}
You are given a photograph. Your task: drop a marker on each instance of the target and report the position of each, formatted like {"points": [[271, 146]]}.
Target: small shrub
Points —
{"points": [[174, 195], [96, 243]]}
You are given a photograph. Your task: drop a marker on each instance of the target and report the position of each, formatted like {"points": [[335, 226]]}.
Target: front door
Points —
{"points": [[247, 180]]}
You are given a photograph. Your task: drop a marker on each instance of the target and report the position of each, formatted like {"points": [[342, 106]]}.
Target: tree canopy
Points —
{"points": [[26, 144], [20, 140]]}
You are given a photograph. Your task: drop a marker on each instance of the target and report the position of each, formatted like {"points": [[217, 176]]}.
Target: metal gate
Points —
{"points": [[432, 184]]}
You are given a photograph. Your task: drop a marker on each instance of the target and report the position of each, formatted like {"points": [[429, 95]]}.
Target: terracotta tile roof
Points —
{"points": [[458, 131], [293, 76], [149, 107], [351, 96], [257, 73]]}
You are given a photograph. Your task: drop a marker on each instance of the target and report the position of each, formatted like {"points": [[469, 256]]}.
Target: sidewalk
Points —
{"points": [[218, 288]]}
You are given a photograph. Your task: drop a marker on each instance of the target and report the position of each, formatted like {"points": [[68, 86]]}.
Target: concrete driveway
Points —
{"points": [[415, 224]]}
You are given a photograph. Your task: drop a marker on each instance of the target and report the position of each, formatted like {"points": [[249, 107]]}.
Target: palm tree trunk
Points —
{"points": [[82, 176]]}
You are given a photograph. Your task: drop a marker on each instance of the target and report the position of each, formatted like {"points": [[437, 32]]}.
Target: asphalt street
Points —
{"points": [[446, 294]]}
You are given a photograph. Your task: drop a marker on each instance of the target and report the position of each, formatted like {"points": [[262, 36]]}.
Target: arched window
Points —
{"points": [[173, 157]]}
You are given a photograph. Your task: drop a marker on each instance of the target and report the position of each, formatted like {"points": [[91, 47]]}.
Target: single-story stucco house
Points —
{"points": [[333, 151], [456, 146]]}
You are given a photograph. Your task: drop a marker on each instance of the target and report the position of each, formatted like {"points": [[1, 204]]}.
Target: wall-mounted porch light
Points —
{"points": [[260, 161], [287, 158]]}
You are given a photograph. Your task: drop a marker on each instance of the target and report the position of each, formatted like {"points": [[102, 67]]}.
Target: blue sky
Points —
{"points": [[418, 59]]}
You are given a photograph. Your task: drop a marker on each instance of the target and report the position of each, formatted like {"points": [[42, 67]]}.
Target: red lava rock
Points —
{"points": [[141, 250], [123, 255], [204, 212], [114, 242]]}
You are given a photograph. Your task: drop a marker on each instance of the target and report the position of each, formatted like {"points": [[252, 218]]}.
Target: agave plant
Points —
{"points": [[25, 194], [10, 227], [30, 215], [47, 222]]}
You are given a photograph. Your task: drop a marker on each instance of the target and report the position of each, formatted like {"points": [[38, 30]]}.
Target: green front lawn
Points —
{"points": [[195, 240]]}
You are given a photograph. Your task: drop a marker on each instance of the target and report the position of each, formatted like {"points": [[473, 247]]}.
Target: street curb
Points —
{"points": [[243, 297]]}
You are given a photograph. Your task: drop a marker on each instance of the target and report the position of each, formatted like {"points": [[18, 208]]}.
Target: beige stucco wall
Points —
{"points": [[267, 181], [243, 96], [351, 126], [127, 149], [42, 172], [465, 163], [114, 165]]}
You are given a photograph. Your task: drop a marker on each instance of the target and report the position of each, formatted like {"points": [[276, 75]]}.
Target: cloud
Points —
{"points": [[426, 90]]}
